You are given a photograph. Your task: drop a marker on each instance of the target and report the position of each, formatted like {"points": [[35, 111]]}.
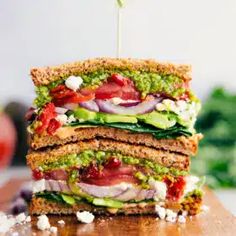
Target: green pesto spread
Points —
{"points": [[63, 163], [84, 159], [145, 82]]}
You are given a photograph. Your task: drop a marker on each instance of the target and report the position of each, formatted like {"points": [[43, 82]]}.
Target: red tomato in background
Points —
{"points": [[7, 140]]}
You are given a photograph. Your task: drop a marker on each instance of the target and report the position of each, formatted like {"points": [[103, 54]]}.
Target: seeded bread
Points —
{"points": [[40, 206], [165, 158], [182, 144], [46, 75]]}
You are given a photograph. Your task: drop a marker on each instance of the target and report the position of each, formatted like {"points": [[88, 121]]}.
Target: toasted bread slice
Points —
{"points": [[164, 158], [46, 75], [182, 144], [40, 206]]}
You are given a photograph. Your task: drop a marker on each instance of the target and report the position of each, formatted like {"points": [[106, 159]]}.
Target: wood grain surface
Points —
{"points": [[216, 221]]}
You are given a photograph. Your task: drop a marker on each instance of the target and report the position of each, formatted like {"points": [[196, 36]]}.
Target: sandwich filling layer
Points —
{"points": [[113, 135], [111, 179], [134, 100]]}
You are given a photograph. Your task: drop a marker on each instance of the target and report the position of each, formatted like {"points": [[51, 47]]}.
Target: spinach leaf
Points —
{"points": [[172, 132], [51, 196]]}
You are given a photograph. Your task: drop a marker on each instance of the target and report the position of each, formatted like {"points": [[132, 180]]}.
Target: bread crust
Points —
{"points": [[184, 145], [165, 158], [46, 75], [40, 206]]}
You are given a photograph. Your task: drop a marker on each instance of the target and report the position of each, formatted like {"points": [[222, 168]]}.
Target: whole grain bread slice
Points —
{"points": [[46, 75], [184, 145], [164, 158], [40, 206]]}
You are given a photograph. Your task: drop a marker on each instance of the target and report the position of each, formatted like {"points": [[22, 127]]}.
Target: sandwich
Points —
{"points": [[113, 136]]}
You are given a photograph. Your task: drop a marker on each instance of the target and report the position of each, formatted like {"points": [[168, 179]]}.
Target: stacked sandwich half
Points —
{"points": [[113, 136]]}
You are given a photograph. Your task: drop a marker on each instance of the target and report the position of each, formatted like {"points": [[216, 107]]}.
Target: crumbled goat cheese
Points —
{"points": [[159, 187], [161, 211], [187, 111], [184, 213], [71, 119], [171, 216], [28, 219], [20, 218], [53, 229], [11, 221], [191, 183], [74, 82], [6, 223], [62, 118], [170, 213], [43, 222], [181, 219], [171, 219], [85, 217], [38, 186], [61, 222]]}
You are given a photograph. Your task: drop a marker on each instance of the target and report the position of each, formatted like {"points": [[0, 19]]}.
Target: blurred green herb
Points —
{"points": [[120, 3], [217, 152]]}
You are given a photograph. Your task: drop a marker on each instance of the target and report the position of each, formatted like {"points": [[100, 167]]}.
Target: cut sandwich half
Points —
{"points": [[113, 136], [111, 177], [125, 96]]}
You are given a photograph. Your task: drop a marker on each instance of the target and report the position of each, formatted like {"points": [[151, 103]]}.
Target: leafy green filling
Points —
{"points": [[172, 132], [72, 199], [103, 202]]}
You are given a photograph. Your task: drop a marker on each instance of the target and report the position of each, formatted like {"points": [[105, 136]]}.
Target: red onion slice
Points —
{"points": [[141, 108], [90, 105], [128, 195], [129, 104], [104, 191]]}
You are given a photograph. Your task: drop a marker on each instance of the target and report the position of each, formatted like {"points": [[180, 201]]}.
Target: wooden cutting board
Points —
{"points": [[216, 221]]}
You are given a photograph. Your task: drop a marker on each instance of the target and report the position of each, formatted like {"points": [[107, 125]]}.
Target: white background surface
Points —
{"points": [[40, 33]]}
